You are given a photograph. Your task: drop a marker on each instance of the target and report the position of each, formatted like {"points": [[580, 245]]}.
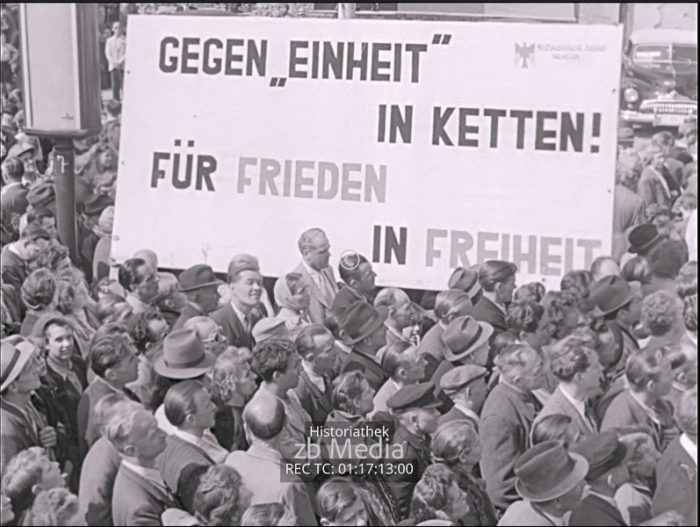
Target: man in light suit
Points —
{"points": [[260, 465], [315, 255], [629, 209], [579, 371], [140, 496], [237, 317], [652, 186]]}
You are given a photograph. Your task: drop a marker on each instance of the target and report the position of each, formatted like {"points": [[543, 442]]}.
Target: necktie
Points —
{"points": [[324, 286], [590, 416]]}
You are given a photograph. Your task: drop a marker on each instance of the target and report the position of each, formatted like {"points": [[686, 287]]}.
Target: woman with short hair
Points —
{"points": [[221, 498], [233, 384], [457, 445], [26, 475], [438, 496], [39, 297], [56, 507]]}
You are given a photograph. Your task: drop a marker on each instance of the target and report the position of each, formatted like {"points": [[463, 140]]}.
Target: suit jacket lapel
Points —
{"points": [[315, 291], [331, 279], [237, 327], [160, 494], [571, 411], [317, 395], [25, 427]]}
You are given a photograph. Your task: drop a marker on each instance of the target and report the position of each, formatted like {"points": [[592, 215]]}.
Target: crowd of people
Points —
{"points": [[132, 396]]}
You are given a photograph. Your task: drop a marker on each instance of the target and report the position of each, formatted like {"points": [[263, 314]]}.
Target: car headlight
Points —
{"points": [[631, 95]]}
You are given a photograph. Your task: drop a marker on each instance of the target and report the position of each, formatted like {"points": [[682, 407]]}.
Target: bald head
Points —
{"points": [[264, 416], [203, 326], [604, 266], [392, 298], [148, 256]]}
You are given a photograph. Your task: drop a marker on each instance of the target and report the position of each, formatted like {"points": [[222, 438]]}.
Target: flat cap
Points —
{"points": [[421, 395], [461, 376], [270, 327]]}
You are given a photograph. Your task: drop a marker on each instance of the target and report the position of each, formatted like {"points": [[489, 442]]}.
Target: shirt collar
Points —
{"points": [[318, 380], [112, 388], [396, 333], [690, 447], [151, 474], [309, 269], [467, 411], [653, 415], [579, 405], [212, 448], [603, 497], [186, 436], [238, 312], [557, 522]]}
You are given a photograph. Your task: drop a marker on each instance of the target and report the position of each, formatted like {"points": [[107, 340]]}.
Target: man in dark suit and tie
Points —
{"points": [[580, 374], [677, 469], [201, 287], [363, 328], [237, 318], [140, 495], [316, 345], [506, 420], [497, 280], [357, 273], [315, 255]]}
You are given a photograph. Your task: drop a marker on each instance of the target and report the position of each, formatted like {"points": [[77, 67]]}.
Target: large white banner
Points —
{"points": [[422, 145]]}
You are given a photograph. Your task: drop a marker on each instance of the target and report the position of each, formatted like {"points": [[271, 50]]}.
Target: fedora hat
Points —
{"points": [[361, 319], [466, 280], [609, 294], [13, 358], [603, 452], [464, 335], [547, 471], [41, 195], [643, 237], [183, 356], [197, 277], [96, 203]]}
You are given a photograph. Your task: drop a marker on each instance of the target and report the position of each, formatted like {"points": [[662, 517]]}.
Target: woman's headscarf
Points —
{"points": [[284, 296]]}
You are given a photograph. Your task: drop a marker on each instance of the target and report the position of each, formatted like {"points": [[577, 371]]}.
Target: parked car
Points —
{"points": [[659, 78]]}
